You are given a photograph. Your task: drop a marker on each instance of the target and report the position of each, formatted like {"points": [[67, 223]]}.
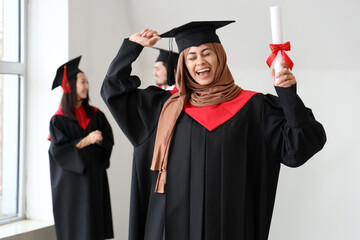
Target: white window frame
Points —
{"points": [[19, 68]]}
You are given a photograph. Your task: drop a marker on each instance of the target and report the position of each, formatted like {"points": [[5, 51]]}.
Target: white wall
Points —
{"points": [[317, 201], [47, 50]]}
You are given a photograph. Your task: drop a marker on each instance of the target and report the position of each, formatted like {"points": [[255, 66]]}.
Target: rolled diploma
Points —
{"points": [[277, 36]]}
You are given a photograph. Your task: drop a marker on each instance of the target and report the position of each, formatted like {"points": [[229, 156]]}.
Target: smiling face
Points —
{"points": [[202, 63], [82, 86], [160, 73]]}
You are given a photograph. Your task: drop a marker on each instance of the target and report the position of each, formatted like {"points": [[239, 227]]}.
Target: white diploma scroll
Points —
{"points": [[277, 36]]}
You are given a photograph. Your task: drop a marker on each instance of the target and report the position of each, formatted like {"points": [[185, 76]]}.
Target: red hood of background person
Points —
{"points": [[80, 114]]}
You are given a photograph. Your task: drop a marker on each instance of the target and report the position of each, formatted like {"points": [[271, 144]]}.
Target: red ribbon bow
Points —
{"points": [[280, 47]]}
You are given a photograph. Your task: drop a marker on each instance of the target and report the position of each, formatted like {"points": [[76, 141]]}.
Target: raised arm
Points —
{"points": [[291, 130], [136, 111]]}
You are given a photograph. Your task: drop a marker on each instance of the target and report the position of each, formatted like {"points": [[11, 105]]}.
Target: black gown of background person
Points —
{"points": [[221, 184], [80, 190]]}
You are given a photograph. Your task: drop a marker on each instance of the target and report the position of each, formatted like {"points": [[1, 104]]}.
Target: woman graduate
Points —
{"points": [[216, 149], [81, 144]]}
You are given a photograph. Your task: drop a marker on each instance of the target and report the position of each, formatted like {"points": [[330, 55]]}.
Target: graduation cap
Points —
{"points": [[66, 75], [164, 55], [195, 33], [170, 59]]}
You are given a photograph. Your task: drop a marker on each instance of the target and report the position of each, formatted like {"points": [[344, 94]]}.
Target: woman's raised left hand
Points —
{"points": [[287, 79]]}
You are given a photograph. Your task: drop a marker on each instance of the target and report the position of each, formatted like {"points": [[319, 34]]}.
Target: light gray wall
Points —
{"points": [[47, 23], [317, 201]]}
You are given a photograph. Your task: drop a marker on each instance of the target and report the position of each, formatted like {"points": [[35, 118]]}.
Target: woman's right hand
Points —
{"points": [[95, 137], [91, 138], [146, 38]]}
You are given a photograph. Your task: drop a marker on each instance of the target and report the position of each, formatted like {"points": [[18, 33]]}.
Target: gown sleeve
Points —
{"points": [[135, 110], [290, 129], [63, 149], [108, 138]]}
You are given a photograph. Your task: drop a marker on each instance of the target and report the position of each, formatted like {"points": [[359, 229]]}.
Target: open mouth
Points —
{"points": [[203, 72]]}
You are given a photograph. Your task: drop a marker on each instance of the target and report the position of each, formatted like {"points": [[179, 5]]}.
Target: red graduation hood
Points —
{"points": [[80, 114], [213, 116]]}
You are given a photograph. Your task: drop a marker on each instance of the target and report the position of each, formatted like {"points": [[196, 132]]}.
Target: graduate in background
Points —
{"points": [[81, 145], [165, 62], [216, 149]]}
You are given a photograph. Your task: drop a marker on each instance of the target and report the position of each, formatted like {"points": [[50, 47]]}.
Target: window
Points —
{"points": [[12, 71]]}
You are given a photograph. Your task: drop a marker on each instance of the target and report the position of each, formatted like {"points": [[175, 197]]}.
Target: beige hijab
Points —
{"points": [[222, 89]]}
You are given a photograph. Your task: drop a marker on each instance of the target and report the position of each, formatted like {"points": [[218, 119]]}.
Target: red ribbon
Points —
{"points": [[280, 47], [65, 83]]}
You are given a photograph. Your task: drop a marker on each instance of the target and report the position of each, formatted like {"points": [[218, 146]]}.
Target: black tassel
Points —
{"points": [[170, 70], [171, 63]]}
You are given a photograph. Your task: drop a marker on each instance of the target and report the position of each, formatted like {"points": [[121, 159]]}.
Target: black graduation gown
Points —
{"points": [[221, 184], [80, 190]]}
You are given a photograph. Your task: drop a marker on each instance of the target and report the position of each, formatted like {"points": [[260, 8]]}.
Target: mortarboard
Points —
{"points": [[66, 75], [195, 33], [165, 54]]}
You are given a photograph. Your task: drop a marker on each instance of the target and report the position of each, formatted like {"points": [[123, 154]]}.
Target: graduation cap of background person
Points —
{"points": [[170, 59], [165, 54], [66, 75], [195, 33]]}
